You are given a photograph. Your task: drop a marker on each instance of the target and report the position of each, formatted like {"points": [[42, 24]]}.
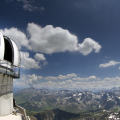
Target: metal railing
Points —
{"points": [[23, 112], [9, 69]]}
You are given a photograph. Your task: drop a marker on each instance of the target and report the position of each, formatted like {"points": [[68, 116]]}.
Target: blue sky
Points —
{"points": [[68, 44]]}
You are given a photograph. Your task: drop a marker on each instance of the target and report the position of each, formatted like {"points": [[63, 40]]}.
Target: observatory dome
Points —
{"points": [[9, 52]]}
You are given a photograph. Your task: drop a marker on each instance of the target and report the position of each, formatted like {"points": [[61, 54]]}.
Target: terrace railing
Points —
{"points": [[9, 69], [22, 111]]}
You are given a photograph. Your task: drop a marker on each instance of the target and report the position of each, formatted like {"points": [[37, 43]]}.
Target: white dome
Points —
{"points": [[9, 51]]}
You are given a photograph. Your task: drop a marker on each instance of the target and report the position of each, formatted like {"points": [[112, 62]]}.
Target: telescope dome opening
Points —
{"points": [[8, 55]]}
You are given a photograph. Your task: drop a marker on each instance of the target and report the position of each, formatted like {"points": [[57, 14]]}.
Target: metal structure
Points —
{"points": [[9, 70], [9, 57]]}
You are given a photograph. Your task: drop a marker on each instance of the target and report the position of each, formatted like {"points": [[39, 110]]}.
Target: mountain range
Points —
{"points": [[71, 101], [57, 114]]}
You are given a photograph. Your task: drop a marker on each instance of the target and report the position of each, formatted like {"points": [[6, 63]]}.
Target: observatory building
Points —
{"points": [[9, 70]]}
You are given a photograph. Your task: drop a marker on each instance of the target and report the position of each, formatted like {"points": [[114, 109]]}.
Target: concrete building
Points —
{"points": [[9, 70]]}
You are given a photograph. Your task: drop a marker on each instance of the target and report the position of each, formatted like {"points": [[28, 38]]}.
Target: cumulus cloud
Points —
{"points": [[50, 78], [71, 85], [78, 78], [106, 83], [48, 40], [88, 46], [92, 77], [31, 80], [39, 57], [61, 77], [51, 85], [34, 77], [111, 79], [52, 40], [87, 78], [34, 80], [27, 62], [68, 84], [110, 63], [17, 35]]}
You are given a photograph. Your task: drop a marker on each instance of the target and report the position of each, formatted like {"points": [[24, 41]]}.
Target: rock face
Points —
{"points": [[72, 101]]}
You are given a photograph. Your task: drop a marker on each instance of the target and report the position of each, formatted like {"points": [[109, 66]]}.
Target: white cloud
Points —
{"points": [[67, 76], [68, 84], [61, 77], [111, 79], [39, 57], [110, 63], [34, 77], [15, 82], [87, 78], [34, 80], [78, 78], [28, 63], [71, 75], [19, 84], [88, 46], [18, 36], [52, 40], [50, 78], [92, 77], [48, 40], [71, 85], [30, 5], [31, 80]]}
